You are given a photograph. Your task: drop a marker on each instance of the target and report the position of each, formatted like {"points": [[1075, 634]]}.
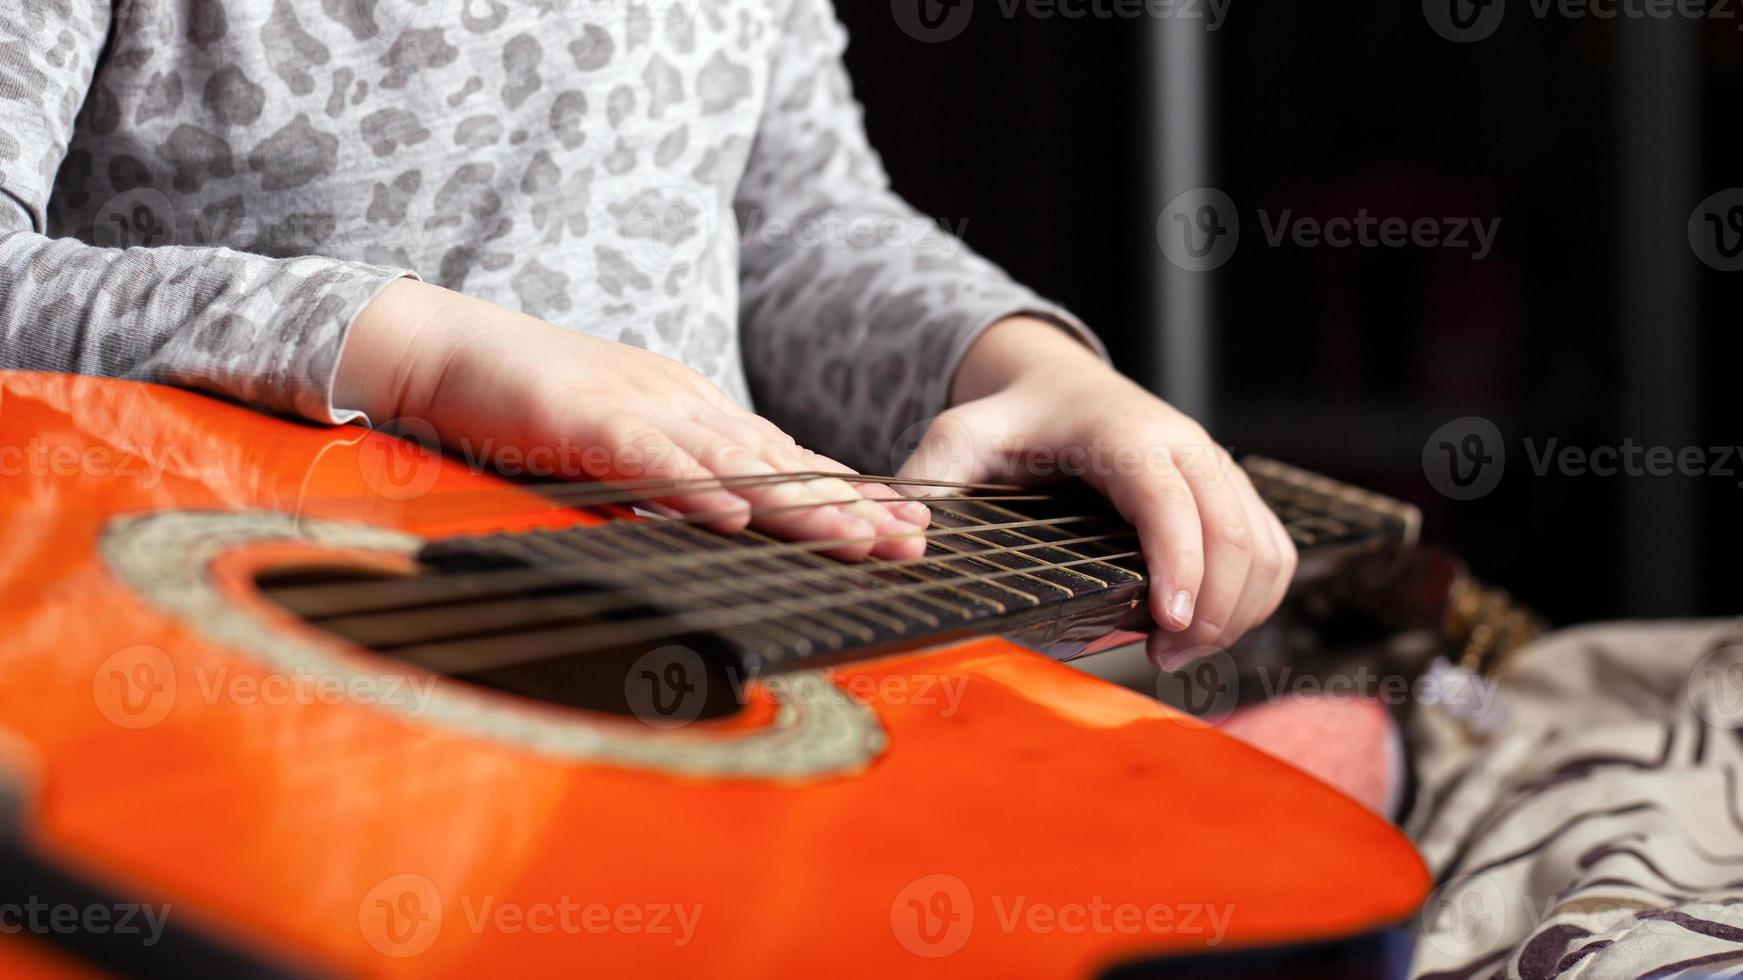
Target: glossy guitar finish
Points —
{"points": [[317, 822]]}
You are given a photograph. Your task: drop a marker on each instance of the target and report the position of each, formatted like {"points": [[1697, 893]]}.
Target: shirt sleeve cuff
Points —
{"points": [[304, 380]]}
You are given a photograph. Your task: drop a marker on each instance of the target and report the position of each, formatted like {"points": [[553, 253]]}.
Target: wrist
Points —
{"points": [[389, 342], [1015, 348]]}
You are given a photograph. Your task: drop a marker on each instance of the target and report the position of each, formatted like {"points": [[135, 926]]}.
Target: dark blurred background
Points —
{"points": [[1592, 321]]}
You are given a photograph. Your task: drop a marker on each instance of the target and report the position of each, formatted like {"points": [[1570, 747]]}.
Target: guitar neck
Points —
{"points": [[1045, 565]]}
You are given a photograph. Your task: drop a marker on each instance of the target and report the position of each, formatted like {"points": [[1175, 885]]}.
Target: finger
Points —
{"points": [[957, 447], [791, 509], [1228, 543], [895, 534], [1168, 653], [1288, 560], [643, 452], [905, 508], [900, 522], [895, 537], [1159, 503], [1258, 598]]}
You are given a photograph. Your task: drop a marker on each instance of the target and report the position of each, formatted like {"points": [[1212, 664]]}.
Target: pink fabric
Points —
{"points": [[1350, 743]]}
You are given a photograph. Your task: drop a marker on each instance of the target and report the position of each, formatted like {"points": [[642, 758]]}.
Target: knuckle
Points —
{"points": [[1166, 490], [634, 436], [1234, 535], [1268, 562], [729, 455]]}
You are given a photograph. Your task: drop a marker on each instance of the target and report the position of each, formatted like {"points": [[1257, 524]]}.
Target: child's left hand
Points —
{"points": [[1031, 402]]}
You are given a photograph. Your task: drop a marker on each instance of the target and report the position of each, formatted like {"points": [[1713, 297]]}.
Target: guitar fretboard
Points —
{"points": [[494, 604]]}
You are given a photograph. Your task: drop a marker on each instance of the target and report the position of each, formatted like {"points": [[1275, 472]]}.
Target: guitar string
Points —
{"points": [[483, 653], [737, 615], [581, 639], [626, 598], [366, 596], [361, 597], [356, 598], [455, 587]]}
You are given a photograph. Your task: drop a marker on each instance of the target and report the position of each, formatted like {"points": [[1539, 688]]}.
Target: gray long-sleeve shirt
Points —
{"points": [[206, 192]]}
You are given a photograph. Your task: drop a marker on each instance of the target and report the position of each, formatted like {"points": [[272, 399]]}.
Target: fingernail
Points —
{"points": [[1180, 610], [914, 513]]}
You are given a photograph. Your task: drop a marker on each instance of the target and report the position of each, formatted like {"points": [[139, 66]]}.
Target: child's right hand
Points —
{"points": [[490, 380]]}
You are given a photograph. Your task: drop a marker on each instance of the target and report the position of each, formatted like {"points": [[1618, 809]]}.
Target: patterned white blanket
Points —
{"points": [[1596, 830]]}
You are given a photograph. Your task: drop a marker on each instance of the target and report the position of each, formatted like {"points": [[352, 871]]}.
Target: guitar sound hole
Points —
{"points": [[667, 681]]}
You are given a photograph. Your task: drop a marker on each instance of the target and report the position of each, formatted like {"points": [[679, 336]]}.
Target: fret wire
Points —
{"points": [[854, 571], [979, 538], [1065, 551], [831, 636], [511, 579], [433, 656], [842, 623], [865, 570], [968, 557], [915, 573], [1031, 557], [802, 634]]}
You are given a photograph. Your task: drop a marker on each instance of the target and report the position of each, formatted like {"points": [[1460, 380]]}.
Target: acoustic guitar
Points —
{"points": [[287, 700]]}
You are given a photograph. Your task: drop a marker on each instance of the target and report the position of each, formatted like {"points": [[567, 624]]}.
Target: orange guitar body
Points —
{"points": [[323, 823]]}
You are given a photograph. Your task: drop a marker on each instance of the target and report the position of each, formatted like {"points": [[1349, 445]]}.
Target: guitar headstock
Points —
{"points": [[1332, 523]]}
